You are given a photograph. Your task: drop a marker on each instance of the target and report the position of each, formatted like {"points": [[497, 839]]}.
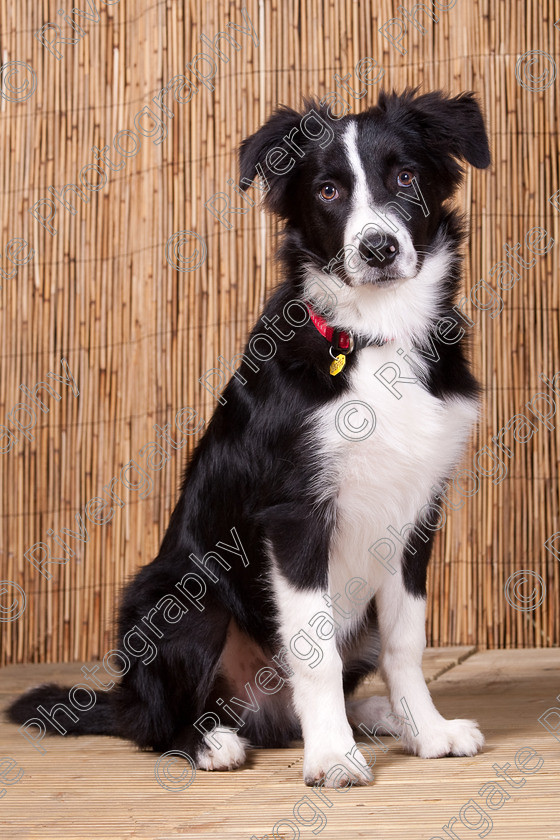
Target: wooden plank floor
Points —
{"points": [[103, 789]]}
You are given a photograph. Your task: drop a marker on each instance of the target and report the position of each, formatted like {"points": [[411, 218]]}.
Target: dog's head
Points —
{"points": [[364, 195]]}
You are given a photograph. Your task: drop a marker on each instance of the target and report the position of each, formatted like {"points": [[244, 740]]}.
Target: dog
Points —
{"points": [[275, 572]]}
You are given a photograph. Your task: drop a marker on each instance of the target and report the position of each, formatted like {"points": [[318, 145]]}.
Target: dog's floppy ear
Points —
{"points": [[276, 152], [254, 157], [455, 125], [450, 127]]}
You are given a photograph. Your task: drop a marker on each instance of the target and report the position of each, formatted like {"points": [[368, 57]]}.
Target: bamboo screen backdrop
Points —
{"points": [[100, 287]]}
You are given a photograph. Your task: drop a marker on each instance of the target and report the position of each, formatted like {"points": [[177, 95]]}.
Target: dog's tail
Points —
{"points": [[47, 703]]}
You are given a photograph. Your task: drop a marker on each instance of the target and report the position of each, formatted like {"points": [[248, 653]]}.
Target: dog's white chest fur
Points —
{"points": [[384, 479]]}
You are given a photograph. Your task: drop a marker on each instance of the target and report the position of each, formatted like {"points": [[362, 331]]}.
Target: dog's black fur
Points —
{"points": [[254, 469]]}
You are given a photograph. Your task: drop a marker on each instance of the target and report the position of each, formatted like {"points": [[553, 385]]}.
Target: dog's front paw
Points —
{"points": [[336, 768], [448, 737]]}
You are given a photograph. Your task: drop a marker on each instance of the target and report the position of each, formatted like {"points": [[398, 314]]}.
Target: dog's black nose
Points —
{"points": [[378, 248]]}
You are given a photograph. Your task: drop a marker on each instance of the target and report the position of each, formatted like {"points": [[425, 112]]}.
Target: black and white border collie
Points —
{"points": [[278, 508]]}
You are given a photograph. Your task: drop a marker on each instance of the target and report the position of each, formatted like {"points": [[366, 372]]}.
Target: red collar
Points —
{"points": [[344, 341]]}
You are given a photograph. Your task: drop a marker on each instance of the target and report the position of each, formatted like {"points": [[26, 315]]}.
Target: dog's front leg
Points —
{"points": [[424, 731], [330, 752]]}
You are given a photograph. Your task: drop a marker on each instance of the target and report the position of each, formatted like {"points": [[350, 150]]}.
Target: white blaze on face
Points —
{"points": [[366, 216]]}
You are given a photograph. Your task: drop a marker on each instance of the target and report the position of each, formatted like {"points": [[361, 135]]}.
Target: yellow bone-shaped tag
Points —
{"points": [[337, 364]]}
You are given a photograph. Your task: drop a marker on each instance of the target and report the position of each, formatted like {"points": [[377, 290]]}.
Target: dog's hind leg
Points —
{"points": [[164, 704], [225, 750], [371, 712], [360, 657]]}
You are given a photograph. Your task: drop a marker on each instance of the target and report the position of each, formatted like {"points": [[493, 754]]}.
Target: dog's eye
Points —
{"points": [[328, 192], [404, 178]]}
